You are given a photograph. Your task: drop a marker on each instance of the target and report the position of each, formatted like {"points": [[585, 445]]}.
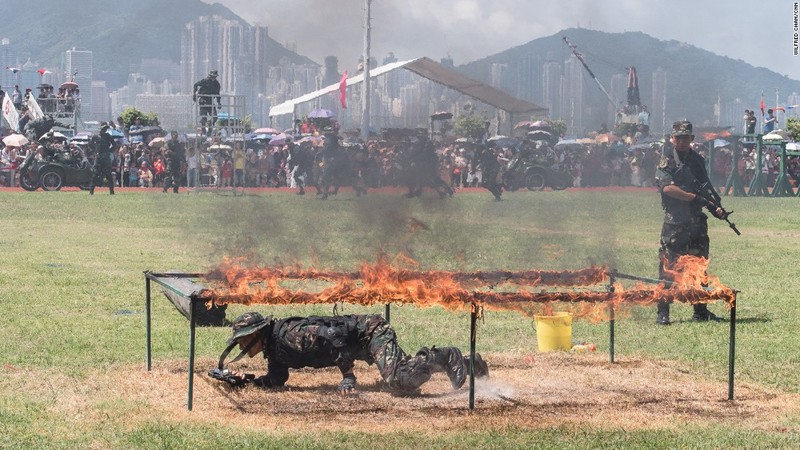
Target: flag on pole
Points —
{"points": [[33, 108], [343, 90], [13, 69], [43, 71], [762, 103], [10, 113]]}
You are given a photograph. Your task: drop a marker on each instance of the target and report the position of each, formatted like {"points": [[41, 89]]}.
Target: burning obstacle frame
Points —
{"points": [[382, 284]]}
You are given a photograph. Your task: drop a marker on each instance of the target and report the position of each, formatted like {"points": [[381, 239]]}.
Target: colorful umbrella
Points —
{"points": [[321, 114], [15, 140], [278, 139]]}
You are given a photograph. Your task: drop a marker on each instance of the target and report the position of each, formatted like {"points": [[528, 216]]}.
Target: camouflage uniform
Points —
{"points": [[104, 148], [685, 227], [173, 157], [339, 341]]}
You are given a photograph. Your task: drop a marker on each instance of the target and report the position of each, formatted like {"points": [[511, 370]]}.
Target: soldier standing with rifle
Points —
{"points": [[685, 190], [206, 92], [337, 341], [104, 147], [173, 157]]}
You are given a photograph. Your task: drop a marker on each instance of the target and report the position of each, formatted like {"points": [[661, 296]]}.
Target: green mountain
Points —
{"points": [[119, 33], [695, 77]]}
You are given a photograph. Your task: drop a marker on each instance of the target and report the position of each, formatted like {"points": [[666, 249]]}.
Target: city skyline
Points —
{"points": [[467, 30]]}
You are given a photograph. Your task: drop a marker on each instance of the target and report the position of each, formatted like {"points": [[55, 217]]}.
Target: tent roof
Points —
{"points": [[431, 70]]}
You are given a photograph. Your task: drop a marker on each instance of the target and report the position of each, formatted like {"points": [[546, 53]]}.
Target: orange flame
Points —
{"points": [[383, 283]]}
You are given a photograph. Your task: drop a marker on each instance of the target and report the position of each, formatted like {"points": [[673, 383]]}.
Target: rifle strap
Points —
{"points": [[221, 364]]}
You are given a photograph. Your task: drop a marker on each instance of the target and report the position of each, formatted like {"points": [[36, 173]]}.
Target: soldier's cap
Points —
{"points": [[247, 324], [213, 73], [682, 128]]}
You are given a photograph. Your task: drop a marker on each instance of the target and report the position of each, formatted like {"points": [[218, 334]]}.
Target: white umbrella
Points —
{"points": [[15, 140]]}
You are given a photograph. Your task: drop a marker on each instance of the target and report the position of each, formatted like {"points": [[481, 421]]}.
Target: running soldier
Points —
{"points": [[422, 169], [301, 166], [332, 161], [338, 341], [486, 159]]}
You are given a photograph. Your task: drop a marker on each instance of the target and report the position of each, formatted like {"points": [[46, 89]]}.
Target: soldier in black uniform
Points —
{"points": [[360, 167], [300, 164], [339, 341], [206, 93], [332, 160], [104, 149], [173, 158], [422, 168], [486, 158], [681, 171]]}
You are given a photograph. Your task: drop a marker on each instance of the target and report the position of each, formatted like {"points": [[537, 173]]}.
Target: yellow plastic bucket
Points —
{"points": [[554, 332]]}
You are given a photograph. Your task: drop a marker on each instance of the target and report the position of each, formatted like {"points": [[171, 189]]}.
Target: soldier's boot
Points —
{"points": [[451, 361], [662, 317], [481, 368], [702, 314]]}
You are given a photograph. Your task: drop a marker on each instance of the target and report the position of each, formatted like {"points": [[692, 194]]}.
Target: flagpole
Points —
{"points": [[365, 87]]}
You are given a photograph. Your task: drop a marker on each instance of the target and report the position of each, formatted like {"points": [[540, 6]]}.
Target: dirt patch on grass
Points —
{"points": [[528, 391]]}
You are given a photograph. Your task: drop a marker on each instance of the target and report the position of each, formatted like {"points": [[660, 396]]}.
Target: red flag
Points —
{"points": [[762, 104], [342, 90]]}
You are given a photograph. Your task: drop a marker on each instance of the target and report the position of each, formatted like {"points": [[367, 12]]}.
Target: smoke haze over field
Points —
{"points": [[757, 33]]}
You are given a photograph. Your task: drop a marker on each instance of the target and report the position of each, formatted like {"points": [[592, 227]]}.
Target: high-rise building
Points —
{"points": [[100, 107], [618, 90], [501, 77], [529, 79], [572, 100], [209, 43], [551, 87], [78, 68], [8, 58], [658, 110]]}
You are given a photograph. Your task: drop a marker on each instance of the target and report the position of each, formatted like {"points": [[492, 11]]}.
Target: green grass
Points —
{"points": [[73, 295]]}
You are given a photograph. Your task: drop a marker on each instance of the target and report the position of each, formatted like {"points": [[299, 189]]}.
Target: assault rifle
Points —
{"points": [[713, 201], [228, 377], [706, 194]]}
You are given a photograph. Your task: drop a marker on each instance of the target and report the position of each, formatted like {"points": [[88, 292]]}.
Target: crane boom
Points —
{"points": [[585, 66]]}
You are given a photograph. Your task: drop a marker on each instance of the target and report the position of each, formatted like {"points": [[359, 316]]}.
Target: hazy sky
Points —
{"points": [[757, 32]]}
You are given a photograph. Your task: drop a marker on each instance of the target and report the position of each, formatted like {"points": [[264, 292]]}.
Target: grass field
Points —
{"points": [[72, 300]]}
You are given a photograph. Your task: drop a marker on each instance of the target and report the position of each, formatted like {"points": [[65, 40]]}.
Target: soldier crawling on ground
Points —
{"points": [[338, 341]]}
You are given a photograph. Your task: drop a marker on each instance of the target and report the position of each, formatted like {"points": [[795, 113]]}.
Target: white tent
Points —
{"points": [[434, 71]]}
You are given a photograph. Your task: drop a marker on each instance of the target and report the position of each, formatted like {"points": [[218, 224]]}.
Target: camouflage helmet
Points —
{"points": [[247, 324], [682, 128]]}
